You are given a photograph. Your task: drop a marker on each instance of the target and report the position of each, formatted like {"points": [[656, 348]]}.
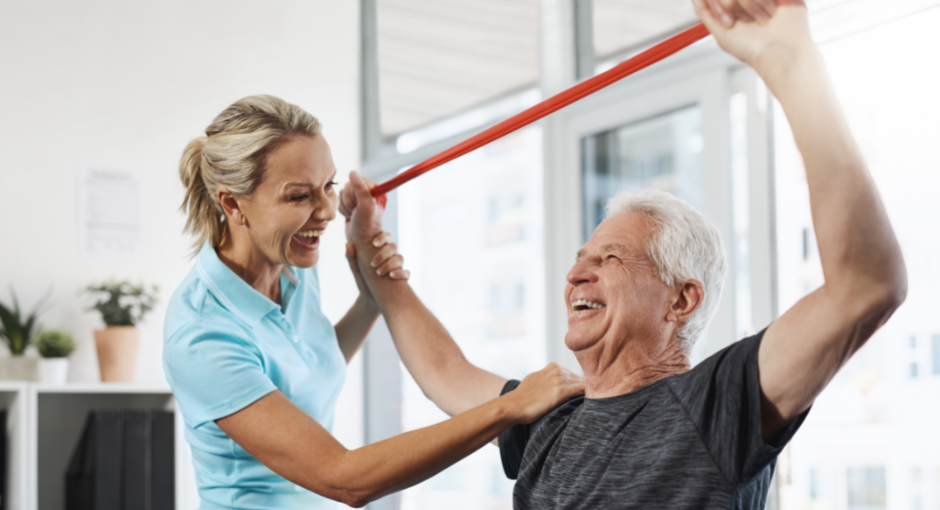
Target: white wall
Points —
{"points": [[129, 84]]}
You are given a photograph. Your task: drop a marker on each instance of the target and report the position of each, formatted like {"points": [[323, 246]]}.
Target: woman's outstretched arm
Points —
{"points": [[293, 445]]}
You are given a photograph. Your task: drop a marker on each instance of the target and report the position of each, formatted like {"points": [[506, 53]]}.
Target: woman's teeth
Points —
{"points": [[582, 304], [310, 233]]}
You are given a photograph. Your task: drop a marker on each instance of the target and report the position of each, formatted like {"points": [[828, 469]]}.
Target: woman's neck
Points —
{"points": [[250, 264]]}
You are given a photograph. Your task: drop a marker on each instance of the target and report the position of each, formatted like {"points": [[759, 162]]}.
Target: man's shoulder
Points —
{"points": [[738, 352]]}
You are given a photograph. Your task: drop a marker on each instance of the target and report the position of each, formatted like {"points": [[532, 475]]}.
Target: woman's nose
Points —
{"points": [[326, 211]]}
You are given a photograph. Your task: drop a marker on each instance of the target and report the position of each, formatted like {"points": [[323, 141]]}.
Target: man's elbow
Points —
{"points": [[895, 291], [886, 294]]}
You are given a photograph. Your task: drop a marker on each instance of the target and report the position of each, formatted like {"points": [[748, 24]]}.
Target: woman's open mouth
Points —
{"points": [[308, 239]]}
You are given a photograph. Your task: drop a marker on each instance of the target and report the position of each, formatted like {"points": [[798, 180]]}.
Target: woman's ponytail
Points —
{"points": [[204, 217]]}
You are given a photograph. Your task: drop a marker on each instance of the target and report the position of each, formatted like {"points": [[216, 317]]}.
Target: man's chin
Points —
{"points": [[578, 341]]}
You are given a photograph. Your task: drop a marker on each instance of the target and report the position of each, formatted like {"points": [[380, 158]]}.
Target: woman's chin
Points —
{"points": [[303, 256]]}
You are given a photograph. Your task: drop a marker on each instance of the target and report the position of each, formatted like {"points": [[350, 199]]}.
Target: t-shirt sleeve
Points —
{"points": [[722, 397], [214, 374], [512, 441]]}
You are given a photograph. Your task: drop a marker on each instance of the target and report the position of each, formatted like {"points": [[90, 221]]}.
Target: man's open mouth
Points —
{"points": [[583, 304]]}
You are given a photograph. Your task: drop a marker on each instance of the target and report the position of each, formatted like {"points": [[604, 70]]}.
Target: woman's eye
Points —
{"points": [[331, 184], [299, 198]]}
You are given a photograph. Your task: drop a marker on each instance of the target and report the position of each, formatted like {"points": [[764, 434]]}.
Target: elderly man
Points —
{"points": [[652, 432]]}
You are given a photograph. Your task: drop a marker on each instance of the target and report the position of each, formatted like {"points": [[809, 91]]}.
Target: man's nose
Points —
{"points": [[581, 273]]}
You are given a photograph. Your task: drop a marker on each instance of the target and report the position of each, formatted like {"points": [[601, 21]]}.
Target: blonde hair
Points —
{"points": [[233, 154]]}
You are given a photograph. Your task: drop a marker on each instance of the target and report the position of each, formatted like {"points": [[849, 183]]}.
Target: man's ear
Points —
{"points": [[231, 206], [686, 301]]}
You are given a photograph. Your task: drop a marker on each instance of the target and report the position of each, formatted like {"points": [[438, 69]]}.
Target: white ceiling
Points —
{"points": [[440, 57], [620, 24], [437, 58]]}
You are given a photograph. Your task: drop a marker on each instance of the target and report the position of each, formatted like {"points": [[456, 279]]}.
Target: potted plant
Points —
{"points": [[17, 332], [122, 306], [55, 348]]}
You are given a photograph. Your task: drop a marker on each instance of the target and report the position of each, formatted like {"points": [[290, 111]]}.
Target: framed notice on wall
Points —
{"points": [[110, 213]]}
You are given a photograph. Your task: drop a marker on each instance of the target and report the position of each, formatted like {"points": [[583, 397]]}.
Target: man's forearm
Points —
{"points": [[425, 346]]}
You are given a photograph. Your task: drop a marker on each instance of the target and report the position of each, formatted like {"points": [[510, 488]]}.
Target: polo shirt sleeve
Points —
{"points": [[214, 373], [512, 441]]}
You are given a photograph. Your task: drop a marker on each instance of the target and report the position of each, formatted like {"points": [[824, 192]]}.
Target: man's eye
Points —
{"points": [[331, 184]]}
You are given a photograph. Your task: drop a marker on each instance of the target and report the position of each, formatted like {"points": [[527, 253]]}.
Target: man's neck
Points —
{"points": [[609, 372]]}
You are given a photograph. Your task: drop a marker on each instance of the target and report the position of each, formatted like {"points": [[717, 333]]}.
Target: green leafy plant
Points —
{"points": [[16, 330], [122, 303], [55, 344]]}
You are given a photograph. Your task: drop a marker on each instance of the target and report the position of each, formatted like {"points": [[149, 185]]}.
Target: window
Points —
{"points": [[663, 153], [476, 258], [866, 488], [935, 353], [872, 411]]}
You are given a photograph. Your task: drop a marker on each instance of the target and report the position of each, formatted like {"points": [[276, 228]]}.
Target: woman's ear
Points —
{"points": [[231, 206], [686, 301]]}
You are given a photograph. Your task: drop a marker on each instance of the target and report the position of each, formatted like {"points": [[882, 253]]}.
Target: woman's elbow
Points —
{"points": [[355, 499]]}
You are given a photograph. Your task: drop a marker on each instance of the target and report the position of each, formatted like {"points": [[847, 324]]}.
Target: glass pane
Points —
{"points": [[871, 438], [628, 24], [663, 152], [471, 232], [440, 58]]}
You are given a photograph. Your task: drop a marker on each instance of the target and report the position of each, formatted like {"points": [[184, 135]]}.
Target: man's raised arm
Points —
{"points": [[865, 277], [426, 348]]}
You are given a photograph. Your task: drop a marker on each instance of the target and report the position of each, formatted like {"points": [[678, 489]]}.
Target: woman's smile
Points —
{"points": [[308, 239]]}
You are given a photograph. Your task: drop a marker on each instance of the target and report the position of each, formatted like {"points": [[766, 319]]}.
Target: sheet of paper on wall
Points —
{"points": [[110, 213]]}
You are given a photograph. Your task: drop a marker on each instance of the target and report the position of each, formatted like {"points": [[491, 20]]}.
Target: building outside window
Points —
{"points": [[476, 256], [873, 427]]}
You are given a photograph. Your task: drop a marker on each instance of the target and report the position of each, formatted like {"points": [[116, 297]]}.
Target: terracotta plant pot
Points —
{"points": [[117, 353]]}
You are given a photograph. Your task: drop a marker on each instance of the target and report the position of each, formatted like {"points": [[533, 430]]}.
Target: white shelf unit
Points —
{"points": [[45, 423], [13, 399]]}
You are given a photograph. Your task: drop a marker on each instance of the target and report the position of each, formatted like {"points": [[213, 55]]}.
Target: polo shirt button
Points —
{"points": [[296, 338]]}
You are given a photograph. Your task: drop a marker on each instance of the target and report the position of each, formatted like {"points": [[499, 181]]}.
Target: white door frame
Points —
{"points": [[699, 75]]}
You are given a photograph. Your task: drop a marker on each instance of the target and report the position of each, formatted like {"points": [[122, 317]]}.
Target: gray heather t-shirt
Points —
{"points": [[690, 441]]}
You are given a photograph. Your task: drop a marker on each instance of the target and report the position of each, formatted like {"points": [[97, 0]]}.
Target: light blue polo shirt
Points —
{"points": [[226, 346]]}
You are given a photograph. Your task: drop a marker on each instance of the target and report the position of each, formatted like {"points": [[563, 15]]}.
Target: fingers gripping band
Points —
{"points": [[643, 60]]}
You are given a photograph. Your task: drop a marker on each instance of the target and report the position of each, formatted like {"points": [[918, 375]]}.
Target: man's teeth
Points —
{"points": [[310, 233], [581, 304]]}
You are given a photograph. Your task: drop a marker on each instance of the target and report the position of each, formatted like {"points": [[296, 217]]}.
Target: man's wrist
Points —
{"points": [[780, 64]]}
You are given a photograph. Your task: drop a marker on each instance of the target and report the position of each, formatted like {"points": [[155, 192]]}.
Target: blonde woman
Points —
{"points": [[253, 362]]}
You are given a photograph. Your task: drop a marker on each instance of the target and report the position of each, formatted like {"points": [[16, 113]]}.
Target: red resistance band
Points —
{"points": [[643, 60]]}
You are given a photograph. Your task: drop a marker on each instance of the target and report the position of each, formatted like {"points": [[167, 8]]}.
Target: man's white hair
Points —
{"points": [[684, 246]]}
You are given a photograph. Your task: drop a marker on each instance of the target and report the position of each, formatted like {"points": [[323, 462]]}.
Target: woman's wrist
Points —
{"points": [[367, 303], [509, 410]]}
